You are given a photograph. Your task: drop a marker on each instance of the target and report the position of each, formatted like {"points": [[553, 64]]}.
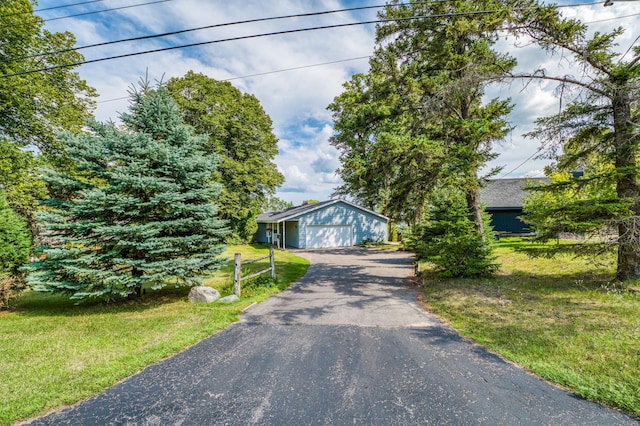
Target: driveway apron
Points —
{"points": [[347, 344]]}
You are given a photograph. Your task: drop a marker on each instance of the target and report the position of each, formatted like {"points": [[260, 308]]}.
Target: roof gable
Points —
{"points": [[295, 212]]}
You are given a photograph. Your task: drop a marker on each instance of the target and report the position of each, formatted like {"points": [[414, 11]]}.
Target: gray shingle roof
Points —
{"points": [[288, 213], [297, 211], [507, 193]]}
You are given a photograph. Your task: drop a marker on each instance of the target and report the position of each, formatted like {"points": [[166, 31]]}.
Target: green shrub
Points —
{"points": [[15, 245], [449, 240], [251, 287]]}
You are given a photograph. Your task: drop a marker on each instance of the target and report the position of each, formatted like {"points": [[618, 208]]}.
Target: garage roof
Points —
{"points": [[295, 212], [507, 193]]}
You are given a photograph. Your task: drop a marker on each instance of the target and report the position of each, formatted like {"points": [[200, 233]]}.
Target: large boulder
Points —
{"points": [[203, 294]]}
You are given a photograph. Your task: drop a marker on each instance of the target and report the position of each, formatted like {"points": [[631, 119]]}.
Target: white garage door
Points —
{"points": [[323, 236]]}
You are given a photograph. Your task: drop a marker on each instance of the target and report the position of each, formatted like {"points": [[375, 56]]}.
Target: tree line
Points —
{"points": [[415, 131], [149, 202], [112, 208]]}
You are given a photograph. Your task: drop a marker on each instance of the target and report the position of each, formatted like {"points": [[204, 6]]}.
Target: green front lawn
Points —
{"points": [[564, 319], [54, 353]]}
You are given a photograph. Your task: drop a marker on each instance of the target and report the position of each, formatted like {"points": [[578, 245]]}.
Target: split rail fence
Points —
{"points": [[237, 273]]}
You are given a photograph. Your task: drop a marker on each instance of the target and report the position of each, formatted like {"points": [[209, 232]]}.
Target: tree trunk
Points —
{"points": [[627, 186], [137, 290], [474, 208]]}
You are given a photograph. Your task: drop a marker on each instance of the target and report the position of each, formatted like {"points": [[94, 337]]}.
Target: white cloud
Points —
{"points": [[296, 100]]}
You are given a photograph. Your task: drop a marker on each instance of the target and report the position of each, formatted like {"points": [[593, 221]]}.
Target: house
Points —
{"points": [[333, 223], [503, 200]]}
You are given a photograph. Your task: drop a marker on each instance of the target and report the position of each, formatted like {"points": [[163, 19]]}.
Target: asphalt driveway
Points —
{"points": [[347, 344]]}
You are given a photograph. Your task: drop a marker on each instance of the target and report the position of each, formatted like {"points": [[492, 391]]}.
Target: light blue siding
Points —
{"points": [[291, 236], [334, 223], [364, 226], [261, 234]]}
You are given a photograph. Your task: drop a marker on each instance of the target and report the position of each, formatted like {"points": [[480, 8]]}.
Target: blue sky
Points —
{"points": [[296, 100]]}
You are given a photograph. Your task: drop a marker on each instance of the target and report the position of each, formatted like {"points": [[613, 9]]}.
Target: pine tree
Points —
{"points": [[141, 212]]}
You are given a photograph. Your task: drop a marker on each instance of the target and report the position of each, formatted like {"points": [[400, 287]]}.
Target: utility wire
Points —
{"points": [[66, 5], [470, 13], [100, 11], [203, 43], [105, 10], [523, 163], [297, 68], [265, 73], [222, 25], [301, 15], [51, 8], [612, 19], [248, 21]]}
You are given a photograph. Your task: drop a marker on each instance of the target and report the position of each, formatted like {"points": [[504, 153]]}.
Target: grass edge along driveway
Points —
{"points": [[564, 319], [53, 353]]}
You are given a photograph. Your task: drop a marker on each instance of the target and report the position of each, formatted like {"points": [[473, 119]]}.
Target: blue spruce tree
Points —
{"points": [[138, 211]]}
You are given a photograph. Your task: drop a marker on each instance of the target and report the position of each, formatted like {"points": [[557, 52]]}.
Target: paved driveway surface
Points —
{"points": [[345, 345]]}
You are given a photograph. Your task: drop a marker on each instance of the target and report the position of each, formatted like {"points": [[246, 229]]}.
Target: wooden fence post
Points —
{"points": [[272, 263], [236, 274]]}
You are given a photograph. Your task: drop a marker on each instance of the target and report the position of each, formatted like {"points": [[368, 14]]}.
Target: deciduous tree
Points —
{"points": [[34, 106], [241, 135]]}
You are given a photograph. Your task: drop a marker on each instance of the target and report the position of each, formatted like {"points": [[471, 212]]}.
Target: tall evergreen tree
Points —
{"points": [[442, 53], [138, 210], [241, 135], [601, 121], [418, 121]]}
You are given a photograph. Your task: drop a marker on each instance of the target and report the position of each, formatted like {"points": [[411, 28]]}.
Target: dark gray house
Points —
{"points": [[503, 200], [333, 223]]}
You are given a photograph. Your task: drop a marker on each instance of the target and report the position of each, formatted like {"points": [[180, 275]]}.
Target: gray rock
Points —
{"points": [[203, 294], [229, 299]]}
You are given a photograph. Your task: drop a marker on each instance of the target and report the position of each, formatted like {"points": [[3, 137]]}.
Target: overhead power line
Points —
{"points": [[64, 6], [612, 19], [93, 12], [105, 10], [139, 38], [338, 61], [522, 164], [206, 27], [182, 46], [203, 43], [44, 9]]}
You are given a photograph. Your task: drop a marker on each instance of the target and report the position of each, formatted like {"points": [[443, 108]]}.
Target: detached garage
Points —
{"points": [[333, 223], [503, 200]]}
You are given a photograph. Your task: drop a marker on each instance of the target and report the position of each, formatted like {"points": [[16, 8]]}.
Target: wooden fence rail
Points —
{"points": [[237, 274]]}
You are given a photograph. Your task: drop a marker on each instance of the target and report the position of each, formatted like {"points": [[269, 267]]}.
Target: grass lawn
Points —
{"points": [[564, 319], [54, 353]]}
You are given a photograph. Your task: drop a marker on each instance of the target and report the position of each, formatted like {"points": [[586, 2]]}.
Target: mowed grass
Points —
{"points": [[564, 319], [53, 353]]}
